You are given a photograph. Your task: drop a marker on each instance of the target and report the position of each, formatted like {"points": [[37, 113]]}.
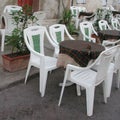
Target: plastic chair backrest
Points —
{"points": [[57, 32], [74, 11], [104, 60], [117, 59], [103, 25], [86, 29], [82, 9], [115, 23], [34, 37], [111, 8], [11, 8]]}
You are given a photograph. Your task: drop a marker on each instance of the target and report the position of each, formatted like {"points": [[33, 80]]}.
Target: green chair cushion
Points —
{"points": [[58, 36], [87, 33], [36, 42]]}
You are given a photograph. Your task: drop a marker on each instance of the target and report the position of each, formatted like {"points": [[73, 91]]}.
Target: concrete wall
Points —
{"points": [[91, 5], [6, 2], [51, 7], [54, 7]]}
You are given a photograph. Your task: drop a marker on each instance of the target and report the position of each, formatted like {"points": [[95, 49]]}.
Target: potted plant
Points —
{"points": [[18, 58], [102, 14], [67, 20]]}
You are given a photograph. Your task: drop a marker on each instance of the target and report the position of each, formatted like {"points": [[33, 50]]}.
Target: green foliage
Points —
{"points": [[67, 20], [21, 19], [102, 14], [16, 41]]}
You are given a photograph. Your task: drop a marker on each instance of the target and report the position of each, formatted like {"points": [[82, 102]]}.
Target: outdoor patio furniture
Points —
{"points": [[87, 15], [78, 52], [87, 30], [89, 78], [115, 24], [57, 33], [103, 25], [7, 22], [109, 34], [109, 37], [82, 9], [115, 12], [11, 8], [34, 38], [75, 12], [114, 64], [2, 38]]}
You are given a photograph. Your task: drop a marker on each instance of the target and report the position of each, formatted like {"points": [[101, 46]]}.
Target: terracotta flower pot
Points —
{"points": [[14, 63]]}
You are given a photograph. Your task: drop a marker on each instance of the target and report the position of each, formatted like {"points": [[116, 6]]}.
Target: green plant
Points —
{"points": [[21, 19], [67, 20], [102, 14]]}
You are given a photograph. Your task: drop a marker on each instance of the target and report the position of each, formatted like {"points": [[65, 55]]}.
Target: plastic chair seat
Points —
{"points": [[84, 78], [50, 62]]}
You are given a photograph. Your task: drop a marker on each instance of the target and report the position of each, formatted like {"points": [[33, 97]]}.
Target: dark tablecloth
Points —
{"points": [[108, 34], [115, 12], [85, 14], [81, 51]]}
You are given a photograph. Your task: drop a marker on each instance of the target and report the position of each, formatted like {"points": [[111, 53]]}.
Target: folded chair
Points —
{"points": [[89, 78], [34, 37]]}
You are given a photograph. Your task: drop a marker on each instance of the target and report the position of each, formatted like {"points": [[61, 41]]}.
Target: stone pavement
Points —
{"points": [[11, 78], [23, 102]]}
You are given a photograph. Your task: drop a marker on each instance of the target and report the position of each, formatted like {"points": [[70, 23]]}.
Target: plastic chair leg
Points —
{"points": [[78, 90], [43, 82], [3, 40], [118, 79], [27, 73], [90, 100]]}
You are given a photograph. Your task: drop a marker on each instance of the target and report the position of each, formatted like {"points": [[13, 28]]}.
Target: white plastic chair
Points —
{"points": [[116, 65], [7, 18], [82, 9], [11, 8], [103, 25], [112, 8], [74, 11], [2, 38], [75, 14], [57, 33], [115, 24], [34, 39], [89, 78], [87, 30]]}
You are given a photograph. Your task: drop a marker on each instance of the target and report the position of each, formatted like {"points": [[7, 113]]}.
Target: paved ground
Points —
{"points": [[23, 102]]}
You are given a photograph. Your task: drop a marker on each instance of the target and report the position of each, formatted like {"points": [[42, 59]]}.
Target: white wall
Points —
{"points": [[52, 7], [6, 2]]}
